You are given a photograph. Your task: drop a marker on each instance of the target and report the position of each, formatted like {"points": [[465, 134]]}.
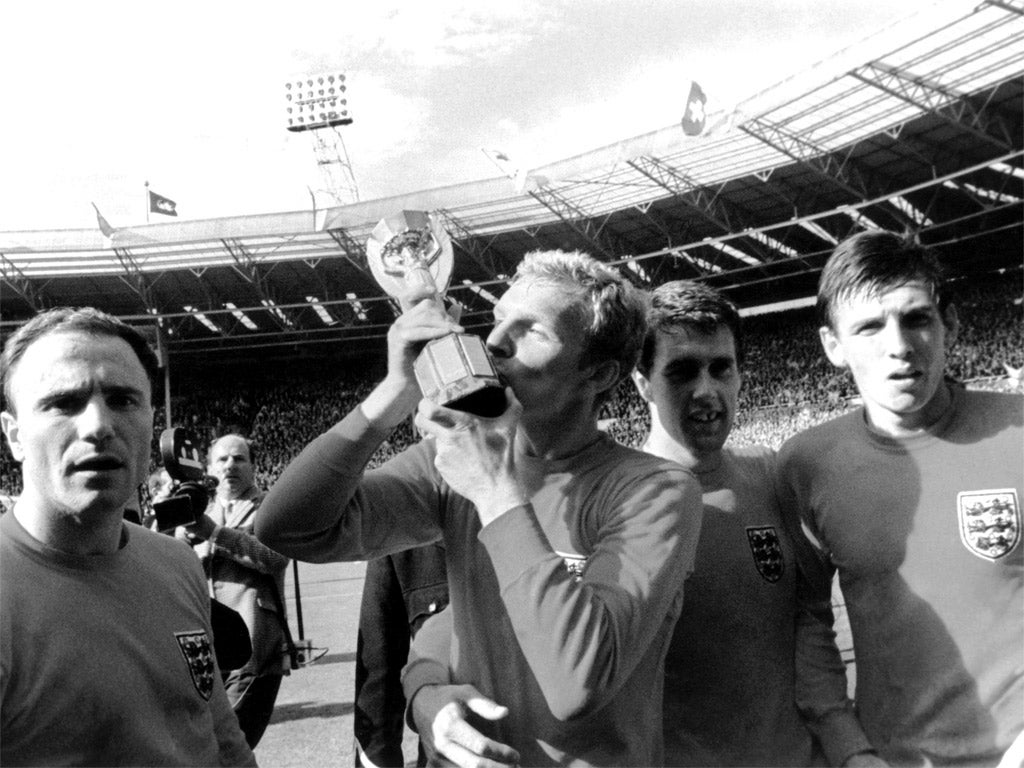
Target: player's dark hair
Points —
{"points": [[73, 320], [684, 304], [872, 263]]}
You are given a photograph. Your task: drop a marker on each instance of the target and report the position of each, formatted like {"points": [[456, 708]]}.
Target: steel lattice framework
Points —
{"points": [[923, 131]]}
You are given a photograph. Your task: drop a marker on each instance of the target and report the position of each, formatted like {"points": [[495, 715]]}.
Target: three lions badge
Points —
{"points": [[767, 551], [989, 521], [195, 647]]}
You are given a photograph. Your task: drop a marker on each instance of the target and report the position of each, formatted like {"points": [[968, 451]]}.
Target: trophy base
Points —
{"points": [[455, 371]]}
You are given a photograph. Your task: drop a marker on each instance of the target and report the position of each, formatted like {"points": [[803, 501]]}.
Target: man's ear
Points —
{"points": [[643, 385], [10, 426], [833, 347], [605, 375]]}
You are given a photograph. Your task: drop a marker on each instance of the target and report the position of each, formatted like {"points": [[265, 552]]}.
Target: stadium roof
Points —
{"points": [[919, 128]]}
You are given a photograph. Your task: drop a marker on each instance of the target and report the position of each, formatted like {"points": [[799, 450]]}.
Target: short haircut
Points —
{"points": [[248, 444], [684, 304], [86, 320], [872, 263], [611, 311]]}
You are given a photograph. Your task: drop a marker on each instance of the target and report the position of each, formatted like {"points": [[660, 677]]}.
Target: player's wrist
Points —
{"points": [[500, 502], [391, 401]]}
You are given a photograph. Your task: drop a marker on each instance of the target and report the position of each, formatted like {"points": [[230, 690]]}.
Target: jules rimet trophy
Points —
{"points": [[412, 250]]}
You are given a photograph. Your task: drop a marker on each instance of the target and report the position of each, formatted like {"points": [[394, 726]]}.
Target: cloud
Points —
{"points": [[444, 33], [387, 122], [193, 98]]}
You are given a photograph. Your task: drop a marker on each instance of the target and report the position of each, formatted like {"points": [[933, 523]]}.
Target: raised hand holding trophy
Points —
{"points": [[411, 250]]}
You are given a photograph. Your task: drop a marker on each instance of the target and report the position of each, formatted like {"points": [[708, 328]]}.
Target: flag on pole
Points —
{"points": [[105, 228], [161, 204], [501, 159], [694, 115], [508, 167]]}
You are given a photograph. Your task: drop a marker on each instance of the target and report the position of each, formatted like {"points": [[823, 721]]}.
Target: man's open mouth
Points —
{"points": [[705, 417], [98, 464]]}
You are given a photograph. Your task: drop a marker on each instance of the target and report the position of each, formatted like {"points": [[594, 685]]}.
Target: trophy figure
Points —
{"points": [[410, 250]]}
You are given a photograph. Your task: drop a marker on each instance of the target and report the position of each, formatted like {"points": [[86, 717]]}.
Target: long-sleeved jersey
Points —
{"points": [[107, 659], [926, 536], [562, 608], [730, 673]]}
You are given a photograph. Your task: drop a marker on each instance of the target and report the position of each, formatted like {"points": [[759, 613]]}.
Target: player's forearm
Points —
{"points": [[301, 511], [821, 683], [390, 403], [245, 549]]}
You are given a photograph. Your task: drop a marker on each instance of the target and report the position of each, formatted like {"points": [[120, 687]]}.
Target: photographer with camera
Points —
{"points": [[105, 637], [246, 576]]}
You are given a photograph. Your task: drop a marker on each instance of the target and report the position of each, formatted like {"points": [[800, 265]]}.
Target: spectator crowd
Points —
{"points": [[788, 386]]}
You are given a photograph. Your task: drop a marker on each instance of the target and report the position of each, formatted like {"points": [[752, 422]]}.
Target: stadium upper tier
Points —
{"points": [[919, 127]]}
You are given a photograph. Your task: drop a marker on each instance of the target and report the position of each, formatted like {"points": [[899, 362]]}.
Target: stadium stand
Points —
{"points": [[788, 386]]}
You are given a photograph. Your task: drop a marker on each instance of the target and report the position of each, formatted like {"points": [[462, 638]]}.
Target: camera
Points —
{"points": [[192, 488]]}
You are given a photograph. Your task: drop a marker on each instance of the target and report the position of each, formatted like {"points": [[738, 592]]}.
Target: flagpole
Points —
{"points": [[147, 202]]}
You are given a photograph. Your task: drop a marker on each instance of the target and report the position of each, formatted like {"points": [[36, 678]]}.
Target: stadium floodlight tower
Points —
{"points": [[318, 105]]}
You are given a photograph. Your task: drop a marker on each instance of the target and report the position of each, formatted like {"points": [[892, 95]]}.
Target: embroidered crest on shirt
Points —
{"points": [[989, 521], [574, 564], [767, 551], [195, 647]]}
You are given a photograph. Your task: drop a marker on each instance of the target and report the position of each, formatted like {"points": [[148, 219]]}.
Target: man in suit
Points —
{"points": [[248, 577]]}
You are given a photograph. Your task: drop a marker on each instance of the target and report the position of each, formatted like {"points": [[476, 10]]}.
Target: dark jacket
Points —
{"points": [[400, 592]]}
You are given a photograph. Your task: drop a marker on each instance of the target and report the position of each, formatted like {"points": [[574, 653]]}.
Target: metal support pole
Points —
{"points": [[167, 395], [298, 598]]}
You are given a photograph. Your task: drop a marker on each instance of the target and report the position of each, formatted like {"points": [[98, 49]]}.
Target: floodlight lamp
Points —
{"points": [[319, 100]]}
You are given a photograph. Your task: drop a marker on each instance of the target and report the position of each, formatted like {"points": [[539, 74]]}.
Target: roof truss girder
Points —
{"points": [[21, 285], [353, 252], [579, 220], [134, 278], [252, 272], [712, 206], [932, 97], [685, 189], [470, 244], [802, 150], [839, 167]]}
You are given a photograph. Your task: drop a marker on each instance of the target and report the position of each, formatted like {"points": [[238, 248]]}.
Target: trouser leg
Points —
{"points": [[253, 699]]}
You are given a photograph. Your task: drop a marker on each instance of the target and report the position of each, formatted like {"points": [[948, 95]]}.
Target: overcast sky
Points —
{"points": [[101, 97]]}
